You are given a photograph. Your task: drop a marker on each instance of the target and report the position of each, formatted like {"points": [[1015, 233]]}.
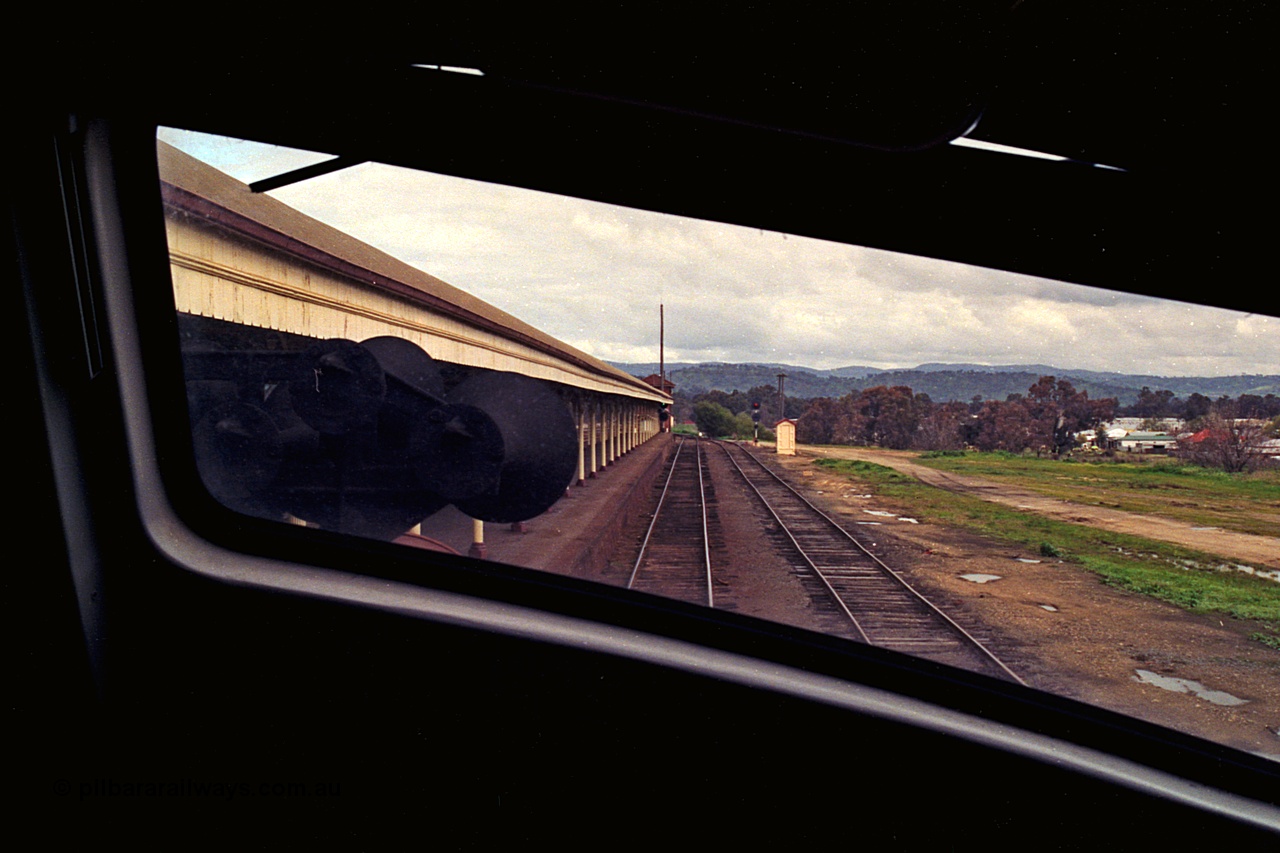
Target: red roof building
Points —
{"points": [[664, 385]]}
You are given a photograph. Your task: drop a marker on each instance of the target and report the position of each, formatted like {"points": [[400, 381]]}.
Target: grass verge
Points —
{"points": [[1190, 579], [1161, 485]]}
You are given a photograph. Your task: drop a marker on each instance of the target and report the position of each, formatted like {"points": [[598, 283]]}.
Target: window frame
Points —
{"points": [[192, 533]]}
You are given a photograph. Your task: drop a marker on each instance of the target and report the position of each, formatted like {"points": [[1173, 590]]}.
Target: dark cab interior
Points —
{"points": [[165, 642]]}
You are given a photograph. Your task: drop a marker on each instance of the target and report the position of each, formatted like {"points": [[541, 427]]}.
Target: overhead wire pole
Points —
{"points": [[662, 353]]}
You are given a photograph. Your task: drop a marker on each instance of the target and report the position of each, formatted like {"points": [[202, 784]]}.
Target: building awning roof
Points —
{"points": [[196, 189]]}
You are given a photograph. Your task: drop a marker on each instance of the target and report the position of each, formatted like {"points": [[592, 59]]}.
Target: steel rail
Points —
{"points": [[657, 514], [818, 573], [706, 537], [644, 545], [955, 626]]}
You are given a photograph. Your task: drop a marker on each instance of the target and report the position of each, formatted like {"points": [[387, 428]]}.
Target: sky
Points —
{"points": [[593, 275]]}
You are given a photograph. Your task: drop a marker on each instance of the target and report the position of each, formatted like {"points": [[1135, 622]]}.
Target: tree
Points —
{"points": [[1059, 411], [1250, 406], [1198, 405], [1153, 404], [713, 419], [1230, 444], [743, 426], [1004, 426], [885, 416], [943, 427], [818, 423], [1098, 412]]}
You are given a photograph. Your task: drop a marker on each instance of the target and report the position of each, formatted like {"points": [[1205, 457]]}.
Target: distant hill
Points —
{"points": [[696, 378], [1181, 386], [645, 368], [943, 382]]}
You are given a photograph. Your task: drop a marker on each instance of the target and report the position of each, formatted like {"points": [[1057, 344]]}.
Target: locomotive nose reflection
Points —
{"points": [[364, 438]]}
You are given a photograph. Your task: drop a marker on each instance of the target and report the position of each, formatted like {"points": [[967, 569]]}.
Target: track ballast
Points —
{"points": [[879, 605]]}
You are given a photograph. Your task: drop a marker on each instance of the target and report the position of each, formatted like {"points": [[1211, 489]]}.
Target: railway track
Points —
{"points": [[675, 556], [865, 598]]}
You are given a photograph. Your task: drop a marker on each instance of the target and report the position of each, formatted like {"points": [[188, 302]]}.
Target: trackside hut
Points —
{"points": [[786, 432]]}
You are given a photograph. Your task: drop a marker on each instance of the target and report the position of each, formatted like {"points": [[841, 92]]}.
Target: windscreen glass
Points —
{"points": [[1070, 488]]}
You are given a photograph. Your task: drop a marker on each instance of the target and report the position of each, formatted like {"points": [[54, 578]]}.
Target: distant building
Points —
{"points": [[1256, 442], [664, 385], [1169, 425], [1148, 442], [667, 387], [1087, 439], [1126, 424], [1124, 434], [786, 432], [1109, 439]]}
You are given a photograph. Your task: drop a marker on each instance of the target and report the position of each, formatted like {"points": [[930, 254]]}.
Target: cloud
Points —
{"points": [[594, 275]]}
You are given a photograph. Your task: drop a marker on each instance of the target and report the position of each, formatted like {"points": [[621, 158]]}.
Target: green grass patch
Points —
{"points": [[1193, 580], [1271, 640], [1158, 485], [866, 470]]}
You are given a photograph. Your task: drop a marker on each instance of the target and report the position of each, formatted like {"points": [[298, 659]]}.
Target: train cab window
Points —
{"points": [[1044, 483]]}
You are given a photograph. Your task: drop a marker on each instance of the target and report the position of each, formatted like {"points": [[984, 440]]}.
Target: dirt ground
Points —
{"points": [[748, 575], [1059, 626]]}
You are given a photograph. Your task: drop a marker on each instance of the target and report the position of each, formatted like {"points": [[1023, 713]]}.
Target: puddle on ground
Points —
{"points": [[1261, 573], [1194, 565], [1026, 560], [1049, 607], [868, 523], [1186, 685], [882, 514], [980, 578], [1265, 574]]}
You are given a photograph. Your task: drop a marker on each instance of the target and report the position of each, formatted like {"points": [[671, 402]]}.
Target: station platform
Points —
{"points": [[576, 535]]}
